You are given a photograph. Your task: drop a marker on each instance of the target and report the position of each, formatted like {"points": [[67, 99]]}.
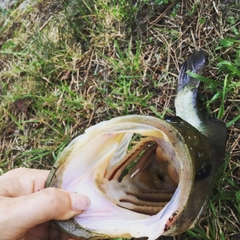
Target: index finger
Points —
{"points": [[22, 181]]}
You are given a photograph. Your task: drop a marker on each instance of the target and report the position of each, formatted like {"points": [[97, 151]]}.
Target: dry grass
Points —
{"points": [[65, 67]]}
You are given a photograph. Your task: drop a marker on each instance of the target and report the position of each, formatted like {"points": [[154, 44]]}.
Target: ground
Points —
{"points": [[67, 65]]}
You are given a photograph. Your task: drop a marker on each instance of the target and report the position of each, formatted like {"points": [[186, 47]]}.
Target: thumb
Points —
{"points": [[48, 204]]}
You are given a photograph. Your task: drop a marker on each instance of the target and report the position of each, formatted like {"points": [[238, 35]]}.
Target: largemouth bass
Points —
{"points": [[145, 176]]}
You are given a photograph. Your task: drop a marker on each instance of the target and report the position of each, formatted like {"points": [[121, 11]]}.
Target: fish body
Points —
{"points": [[187, 108], [145, 176]]}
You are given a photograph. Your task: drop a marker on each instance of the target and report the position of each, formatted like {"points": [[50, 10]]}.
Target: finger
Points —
{"points": [[57, 234], [22, 181], [48, 231], [41, 231], [65, 236], [25, 212]]}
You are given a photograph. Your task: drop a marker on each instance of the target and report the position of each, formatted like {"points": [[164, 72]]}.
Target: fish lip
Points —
{"points": [[129, 123]]}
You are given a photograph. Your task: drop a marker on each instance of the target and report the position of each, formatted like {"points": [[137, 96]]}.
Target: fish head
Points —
{"points": [[145, 177]]}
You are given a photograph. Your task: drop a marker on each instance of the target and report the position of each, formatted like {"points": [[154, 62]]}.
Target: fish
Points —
{"points": [[145, 176]]}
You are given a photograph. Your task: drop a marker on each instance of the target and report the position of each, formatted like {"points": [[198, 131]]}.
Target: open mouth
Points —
{"points": [[136, 170]]}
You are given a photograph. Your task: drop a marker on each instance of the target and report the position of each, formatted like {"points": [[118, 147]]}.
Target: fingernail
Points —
{"points": [[79, 202]]}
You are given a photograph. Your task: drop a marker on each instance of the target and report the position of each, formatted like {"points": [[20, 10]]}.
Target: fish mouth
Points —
{"points": [[138, 173]]}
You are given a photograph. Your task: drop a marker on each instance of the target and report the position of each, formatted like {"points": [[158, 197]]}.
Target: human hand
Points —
{"points": [[27, 208]]}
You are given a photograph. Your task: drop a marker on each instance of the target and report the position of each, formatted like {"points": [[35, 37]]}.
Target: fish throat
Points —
{"points": [[145, 180]]}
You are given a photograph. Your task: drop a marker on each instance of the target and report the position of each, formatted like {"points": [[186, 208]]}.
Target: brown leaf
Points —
{"points": [[66, 75], [22, 105]]}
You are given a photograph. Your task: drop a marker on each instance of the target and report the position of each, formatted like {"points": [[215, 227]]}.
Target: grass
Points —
{"points": [[90, 61]]}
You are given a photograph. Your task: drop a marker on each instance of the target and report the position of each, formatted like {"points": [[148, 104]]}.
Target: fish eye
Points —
{"points": [[204, 172]]}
